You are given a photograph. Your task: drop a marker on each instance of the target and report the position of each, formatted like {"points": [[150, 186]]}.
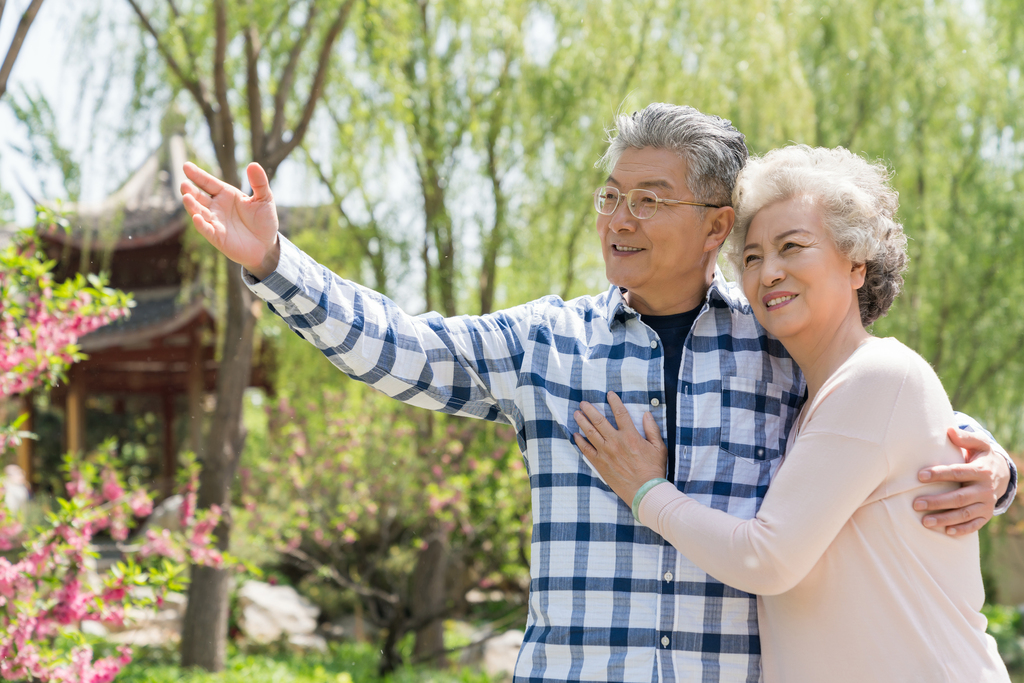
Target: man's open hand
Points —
{"points": [[984, 477], [242, 228]]}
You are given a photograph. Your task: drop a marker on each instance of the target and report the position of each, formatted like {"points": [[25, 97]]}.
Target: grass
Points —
{"points": [[344, 663]]}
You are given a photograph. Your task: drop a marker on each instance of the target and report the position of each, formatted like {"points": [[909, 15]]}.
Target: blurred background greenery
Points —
{"points": [[448, 163]]}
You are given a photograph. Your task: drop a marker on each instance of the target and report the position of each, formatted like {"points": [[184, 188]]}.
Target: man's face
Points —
{"points": [[661, 261]]}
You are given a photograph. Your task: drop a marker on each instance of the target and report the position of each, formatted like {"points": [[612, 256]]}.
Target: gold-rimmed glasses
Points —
{"points": [[642, 203]]}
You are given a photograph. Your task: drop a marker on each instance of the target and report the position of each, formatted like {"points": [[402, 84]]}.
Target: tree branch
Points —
{"points": [[343, 581], [282, 152], [191, 84], [185, 35], [255, 97], [286, 84], [224, 133], [19, 39]]}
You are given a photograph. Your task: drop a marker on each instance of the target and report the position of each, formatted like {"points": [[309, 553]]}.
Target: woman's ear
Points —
{"points": [[858, 274]]}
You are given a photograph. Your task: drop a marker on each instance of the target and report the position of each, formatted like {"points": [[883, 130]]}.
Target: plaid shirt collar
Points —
{"points": [[615, 309]]}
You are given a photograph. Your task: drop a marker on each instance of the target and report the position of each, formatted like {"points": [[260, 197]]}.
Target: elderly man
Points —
{"points": [[609, 599]]}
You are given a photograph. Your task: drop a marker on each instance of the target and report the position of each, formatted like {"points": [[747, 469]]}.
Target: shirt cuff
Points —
{"points": [[654, 502], [1003, 504], [280, 285]]}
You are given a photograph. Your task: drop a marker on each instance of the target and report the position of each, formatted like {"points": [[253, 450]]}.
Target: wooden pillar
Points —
{"points": [[170, 456], [196, 386], [74, 414], [26, 450]]}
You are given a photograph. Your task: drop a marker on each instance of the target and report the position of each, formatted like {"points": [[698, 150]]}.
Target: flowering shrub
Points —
{"points": [[41, 321], [45, 587], [47, 591], [352, 488]]}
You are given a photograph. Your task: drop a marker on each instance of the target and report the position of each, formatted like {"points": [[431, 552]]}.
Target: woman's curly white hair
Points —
{"points": [[857, 204]]}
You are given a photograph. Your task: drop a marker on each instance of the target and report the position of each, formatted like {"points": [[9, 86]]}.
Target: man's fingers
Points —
{"points": [[957, 498], [959, 519], [957, 473], [968, 440], [204, 181], [259, 182], [190, 190], [969, 527]]}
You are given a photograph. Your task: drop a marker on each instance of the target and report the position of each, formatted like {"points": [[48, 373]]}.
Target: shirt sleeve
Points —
{"points": [[466, 365], [969, 424], [835, 464]]}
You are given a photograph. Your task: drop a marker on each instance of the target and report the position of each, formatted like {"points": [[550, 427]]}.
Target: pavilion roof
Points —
{"points": [[146, 209]]}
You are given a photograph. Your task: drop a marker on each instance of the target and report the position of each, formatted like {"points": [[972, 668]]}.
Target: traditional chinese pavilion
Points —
{"points": [[166, 348]]}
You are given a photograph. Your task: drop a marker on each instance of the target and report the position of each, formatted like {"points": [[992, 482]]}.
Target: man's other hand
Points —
{"points": [[242, 228], [983, 478]]}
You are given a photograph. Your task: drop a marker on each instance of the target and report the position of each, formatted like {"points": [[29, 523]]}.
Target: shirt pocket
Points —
{"points": [[756, 417]]}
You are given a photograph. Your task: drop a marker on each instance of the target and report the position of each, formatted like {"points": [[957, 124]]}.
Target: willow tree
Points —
{"points": [[254, 75]]}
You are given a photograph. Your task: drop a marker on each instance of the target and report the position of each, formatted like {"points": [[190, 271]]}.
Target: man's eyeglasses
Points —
{"points": [[642, 203]]}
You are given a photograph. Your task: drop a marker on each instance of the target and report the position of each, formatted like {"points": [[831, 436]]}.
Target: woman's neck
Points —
{"points": [[819, 353]]}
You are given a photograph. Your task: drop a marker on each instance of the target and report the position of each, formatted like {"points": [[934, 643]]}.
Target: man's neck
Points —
{"points": [[671, 300]]}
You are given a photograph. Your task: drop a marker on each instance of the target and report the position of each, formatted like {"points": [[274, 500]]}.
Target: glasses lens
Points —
{"points": [[605, 200], [642, 203]]}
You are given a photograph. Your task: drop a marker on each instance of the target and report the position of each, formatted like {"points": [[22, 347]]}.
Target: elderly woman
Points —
{"points": [[851, 586]]}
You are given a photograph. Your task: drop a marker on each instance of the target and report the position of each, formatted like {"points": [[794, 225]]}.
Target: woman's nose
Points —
{"points": [[771, 271]]}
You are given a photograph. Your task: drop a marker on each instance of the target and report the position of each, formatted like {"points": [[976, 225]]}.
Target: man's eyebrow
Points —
{"points": [[779, 237], [659, 183]]}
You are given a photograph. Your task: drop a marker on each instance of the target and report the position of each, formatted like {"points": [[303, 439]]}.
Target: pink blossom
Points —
{"points": [[141, 504], [111, 488]]}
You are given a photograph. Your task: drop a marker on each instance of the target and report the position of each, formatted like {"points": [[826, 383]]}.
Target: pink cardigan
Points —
{"points": [[851, 586]]}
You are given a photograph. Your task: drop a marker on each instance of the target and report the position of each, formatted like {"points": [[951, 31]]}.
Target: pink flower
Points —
{"points": [[111, 488], [141, 504]]}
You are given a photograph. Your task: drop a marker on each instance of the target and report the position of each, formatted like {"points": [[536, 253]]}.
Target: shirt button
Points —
{"points": [[654, 343], [655, 402], [668, 576], [664, 641]]}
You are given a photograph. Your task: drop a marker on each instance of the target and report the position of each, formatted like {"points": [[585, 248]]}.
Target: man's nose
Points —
{"points": [[622, 219]]}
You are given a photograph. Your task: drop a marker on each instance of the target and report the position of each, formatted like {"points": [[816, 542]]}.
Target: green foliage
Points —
{"points": [[1006, 625], [44, 148]]}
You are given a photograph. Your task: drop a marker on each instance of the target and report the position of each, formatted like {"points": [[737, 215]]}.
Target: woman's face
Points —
{"points": [[797, 282]]}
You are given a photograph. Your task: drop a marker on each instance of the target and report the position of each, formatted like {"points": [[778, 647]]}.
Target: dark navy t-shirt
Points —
{"points": [[672, 330]]}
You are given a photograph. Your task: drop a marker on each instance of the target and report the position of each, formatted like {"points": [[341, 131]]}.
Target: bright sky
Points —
{"points": [[43, 66]]}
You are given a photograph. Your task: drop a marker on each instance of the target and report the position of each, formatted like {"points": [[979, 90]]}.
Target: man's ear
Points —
{"points": [[718, 224]]}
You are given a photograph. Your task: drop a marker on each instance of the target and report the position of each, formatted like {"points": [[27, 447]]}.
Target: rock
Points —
{"points": [[166, 515], [94, 628], [15, 485], [308, 642], [501, 652], [495, 655], [147, 635], [351, 627], [270, 613]]}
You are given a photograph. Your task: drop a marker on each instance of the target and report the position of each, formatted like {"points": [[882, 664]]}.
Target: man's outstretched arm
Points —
{"points": [[988, 483], [463, 365]]}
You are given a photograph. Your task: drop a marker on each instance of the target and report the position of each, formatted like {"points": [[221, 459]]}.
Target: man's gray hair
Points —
{"points": [[713, 151], [858, 209]]}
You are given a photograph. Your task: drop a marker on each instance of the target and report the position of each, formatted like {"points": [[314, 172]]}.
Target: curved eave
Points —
{"points": [[170, 229], [195, 312]]}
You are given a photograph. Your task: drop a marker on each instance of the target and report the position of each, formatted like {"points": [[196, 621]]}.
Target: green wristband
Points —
{"points": [[641, 492]]}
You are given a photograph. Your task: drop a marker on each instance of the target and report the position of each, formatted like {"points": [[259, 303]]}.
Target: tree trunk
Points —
{"points": [[428, 598], [204, 631]]}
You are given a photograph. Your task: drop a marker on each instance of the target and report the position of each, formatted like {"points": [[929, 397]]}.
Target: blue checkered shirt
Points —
{"points": [[610, 600]]}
